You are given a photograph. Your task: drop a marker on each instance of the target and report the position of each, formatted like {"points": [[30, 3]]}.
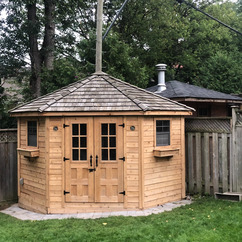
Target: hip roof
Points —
{"points": [[100, 92]]}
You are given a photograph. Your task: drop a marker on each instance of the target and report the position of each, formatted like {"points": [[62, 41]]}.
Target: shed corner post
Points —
{"points": [[183, 161], [233, 156], [18, 155], [141, 163], [47, 150]]}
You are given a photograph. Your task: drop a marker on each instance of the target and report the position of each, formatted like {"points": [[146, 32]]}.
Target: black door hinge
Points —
{"points": [[66, 192], [123, 158], [122, 125], [65, 125], [64, 159], [122, 193]]}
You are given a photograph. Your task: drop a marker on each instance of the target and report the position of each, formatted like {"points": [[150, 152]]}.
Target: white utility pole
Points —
{"points": [[99, 36]]}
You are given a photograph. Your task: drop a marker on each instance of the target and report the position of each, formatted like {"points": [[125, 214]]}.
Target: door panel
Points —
{"points": [[79, 150], [109, 169], [94, 171]]}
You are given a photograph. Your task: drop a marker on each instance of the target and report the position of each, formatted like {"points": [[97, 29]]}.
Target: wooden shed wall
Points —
{"points": [[148, 181], [55, 163], [132, 163], [32, 194], [163, 177]]}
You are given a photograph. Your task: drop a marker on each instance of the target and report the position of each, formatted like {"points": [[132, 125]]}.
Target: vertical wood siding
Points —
{"points": [[162, 176], [33, 191], [55, 172], [132, 163]]}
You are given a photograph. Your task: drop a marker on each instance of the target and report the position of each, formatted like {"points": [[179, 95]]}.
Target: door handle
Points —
{"points": [[96, 160], [91, 160], [92, 170]]}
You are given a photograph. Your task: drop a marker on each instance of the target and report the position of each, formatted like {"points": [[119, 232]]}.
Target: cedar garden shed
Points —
{"points": [[100, 144]]}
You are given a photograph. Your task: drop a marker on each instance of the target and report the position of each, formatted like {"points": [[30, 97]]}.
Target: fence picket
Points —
{"points": [[198, 163], [206, 163], [190, 162], [215, 163], [224, 162]]}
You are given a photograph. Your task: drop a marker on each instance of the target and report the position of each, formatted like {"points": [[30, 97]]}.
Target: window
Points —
{"points": [[108, 140], [32, 133], [203, 112], [162, 132], [79, 142]]}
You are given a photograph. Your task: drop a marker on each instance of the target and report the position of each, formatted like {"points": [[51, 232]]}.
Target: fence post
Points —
{"points": [[233, 159]]}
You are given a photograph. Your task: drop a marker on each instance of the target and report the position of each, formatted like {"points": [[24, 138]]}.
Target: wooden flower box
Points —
{"points": [[30, 153], [166, 153]]}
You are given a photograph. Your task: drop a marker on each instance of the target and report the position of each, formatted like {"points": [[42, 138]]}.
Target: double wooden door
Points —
{"points": [[94, 159]]}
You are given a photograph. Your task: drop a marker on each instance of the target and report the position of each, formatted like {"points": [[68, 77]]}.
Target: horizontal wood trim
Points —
{"points": [[206, 100], [121, 113]]}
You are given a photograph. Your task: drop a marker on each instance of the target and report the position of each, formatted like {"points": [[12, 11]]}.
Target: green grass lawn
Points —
{"points": [[204, 220]]}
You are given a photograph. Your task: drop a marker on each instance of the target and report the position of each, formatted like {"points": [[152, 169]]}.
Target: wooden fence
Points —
{"points": [[236, 150], [214, 154], [207, 162], [8, 165]]}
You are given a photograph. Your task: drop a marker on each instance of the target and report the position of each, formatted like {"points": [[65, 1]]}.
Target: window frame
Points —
{"points": [[155, 134], [27, 132]]}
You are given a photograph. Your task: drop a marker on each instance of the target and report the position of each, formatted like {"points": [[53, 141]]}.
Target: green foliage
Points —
{"points": [[204, 220], [118, 60], [196, 49], [5, 104], [186, 40], [66, 71], [121, 62], [218, 69]]}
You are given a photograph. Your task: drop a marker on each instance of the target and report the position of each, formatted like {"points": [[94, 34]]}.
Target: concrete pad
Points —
{"points": [[23, 214]]}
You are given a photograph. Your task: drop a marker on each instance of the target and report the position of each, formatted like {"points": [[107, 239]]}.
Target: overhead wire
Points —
{"points": [[208, 15], [117, 15]]}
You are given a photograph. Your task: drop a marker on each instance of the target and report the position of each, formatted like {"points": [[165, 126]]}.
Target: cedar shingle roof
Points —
{"points": [[100, 92], [177, 89]]}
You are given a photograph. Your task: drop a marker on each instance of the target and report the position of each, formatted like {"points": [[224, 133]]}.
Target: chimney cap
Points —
{"points": [[161, 67]]}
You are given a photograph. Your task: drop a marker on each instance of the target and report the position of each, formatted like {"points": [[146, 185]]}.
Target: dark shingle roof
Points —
{"points": [[100, 92], [176, 89]]}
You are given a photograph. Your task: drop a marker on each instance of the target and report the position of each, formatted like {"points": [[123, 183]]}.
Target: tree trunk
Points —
{"points": [[45, 56], [35, 57], [49, 38]]}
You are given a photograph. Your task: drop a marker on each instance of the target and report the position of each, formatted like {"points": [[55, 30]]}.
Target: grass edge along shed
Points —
{"points": [[100, 144]]}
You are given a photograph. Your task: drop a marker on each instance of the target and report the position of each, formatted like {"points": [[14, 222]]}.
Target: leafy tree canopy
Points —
{"points": [[53, 42]]}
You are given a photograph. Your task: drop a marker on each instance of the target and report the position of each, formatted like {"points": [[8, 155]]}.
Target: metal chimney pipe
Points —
{"points": [[161, 68]]}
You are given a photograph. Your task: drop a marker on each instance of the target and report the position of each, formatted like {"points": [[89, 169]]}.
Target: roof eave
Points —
{"points": [[195, 99], [104, 113]]}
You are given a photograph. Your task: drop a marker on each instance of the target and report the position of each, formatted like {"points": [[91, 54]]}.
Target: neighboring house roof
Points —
{"points": [[176, 89], [100, 92]]}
